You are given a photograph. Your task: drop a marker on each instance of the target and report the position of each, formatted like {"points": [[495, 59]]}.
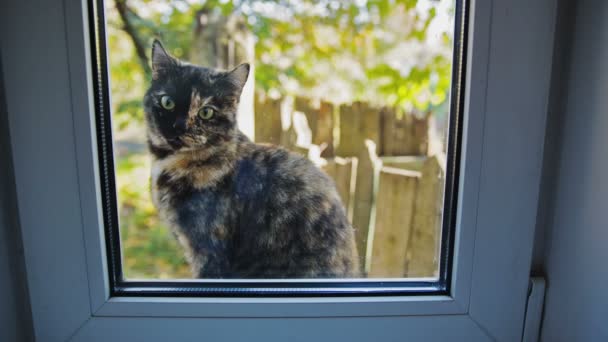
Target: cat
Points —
{"points": [[238, 209]]}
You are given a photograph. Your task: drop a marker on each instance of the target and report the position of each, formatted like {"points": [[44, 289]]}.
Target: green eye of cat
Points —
{"points": [[206, 113], [167, 102]]}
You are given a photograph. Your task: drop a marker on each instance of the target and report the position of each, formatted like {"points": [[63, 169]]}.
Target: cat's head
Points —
{"points": [[189, 107]]}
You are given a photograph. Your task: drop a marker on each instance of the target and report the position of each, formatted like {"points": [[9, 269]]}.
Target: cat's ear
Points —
{"points": [[238, 77], [161, 60]]}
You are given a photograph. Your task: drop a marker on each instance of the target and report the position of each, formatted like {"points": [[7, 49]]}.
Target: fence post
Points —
{"points": [[369, 166], [344, 173]]}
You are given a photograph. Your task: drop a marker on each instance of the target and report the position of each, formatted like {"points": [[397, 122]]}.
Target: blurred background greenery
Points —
{"points": [[385, 52]]}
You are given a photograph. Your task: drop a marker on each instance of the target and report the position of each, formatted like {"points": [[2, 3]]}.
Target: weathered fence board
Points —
{"points": [[319, 115], [358, 122], [344, 173], [423, 250], [267, 120], [307, 107], [393, 216], [289, 134], [403, 134]]}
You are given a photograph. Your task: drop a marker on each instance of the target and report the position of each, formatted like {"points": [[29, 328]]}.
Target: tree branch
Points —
{"points": [[125, 12]]}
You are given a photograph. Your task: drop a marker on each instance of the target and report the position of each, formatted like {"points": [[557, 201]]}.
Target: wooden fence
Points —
{"points": [[391, 189]]}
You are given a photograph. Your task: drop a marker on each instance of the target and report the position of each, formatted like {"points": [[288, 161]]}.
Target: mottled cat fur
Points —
{"points": [[239, 210]]}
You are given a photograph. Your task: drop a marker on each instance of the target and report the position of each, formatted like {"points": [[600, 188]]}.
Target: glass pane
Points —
{"points": [[282, 139]]}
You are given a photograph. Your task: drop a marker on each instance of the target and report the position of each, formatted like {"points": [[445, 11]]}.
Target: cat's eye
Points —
{"points": [[206, 113], [167, 102]]}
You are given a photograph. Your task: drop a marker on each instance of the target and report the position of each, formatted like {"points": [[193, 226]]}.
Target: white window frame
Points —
{"points": [[45, 55]]}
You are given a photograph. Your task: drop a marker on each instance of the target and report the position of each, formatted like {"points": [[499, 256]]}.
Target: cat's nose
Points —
{"points": [[179, 124]]}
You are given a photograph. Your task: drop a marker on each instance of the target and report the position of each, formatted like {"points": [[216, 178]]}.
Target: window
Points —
{"points": [[61, 198], [373, 104]]}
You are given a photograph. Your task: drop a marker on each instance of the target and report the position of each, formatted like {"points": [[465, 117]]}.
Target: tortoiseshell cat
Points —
{"points": [[239, 210]]}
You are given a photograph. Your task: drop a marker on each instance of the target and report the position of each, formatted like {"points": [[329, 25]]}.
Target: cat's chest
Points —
{"points": [[185, 206], [240, 197]]}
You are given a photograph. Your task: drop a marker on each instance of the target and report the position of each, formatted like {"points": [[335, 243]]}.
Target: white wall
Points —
{"points": [[576, 237]]}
